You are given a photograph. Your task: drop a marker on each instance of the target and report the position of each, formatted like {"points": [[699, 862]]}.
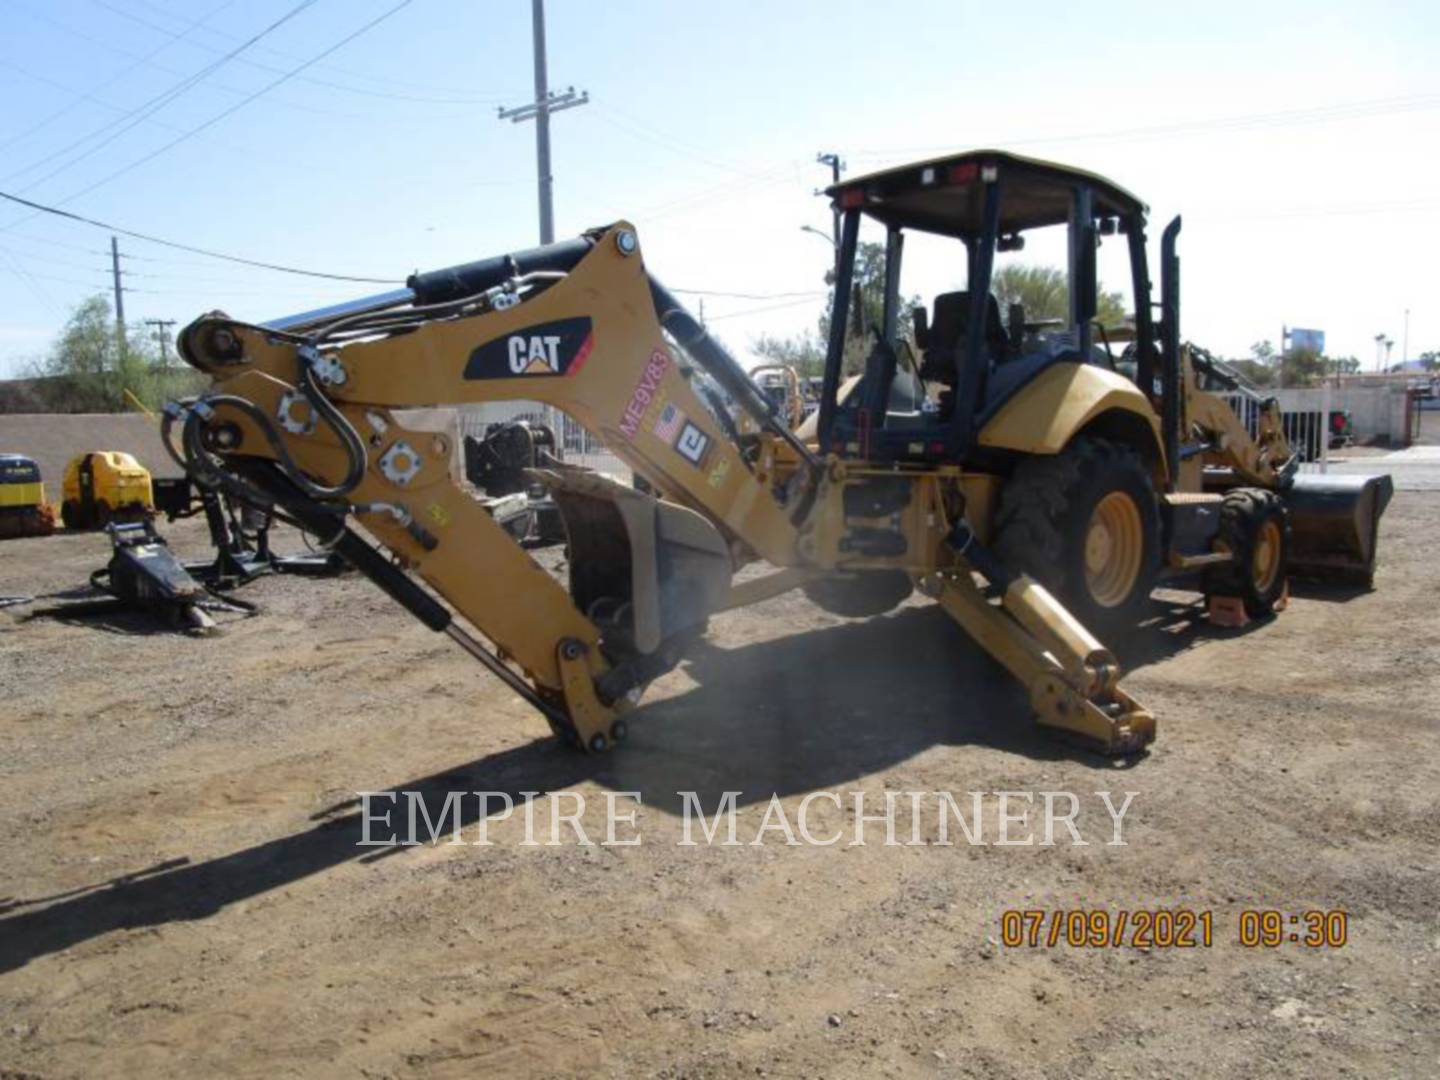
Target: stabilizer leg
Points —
{"points": [[1070, 677]]}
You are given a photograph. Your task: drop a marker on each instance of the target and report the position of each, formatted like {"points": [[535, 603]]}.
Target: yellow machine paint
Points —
{"points": [[23, 509], [101, 486], [860, 505]]}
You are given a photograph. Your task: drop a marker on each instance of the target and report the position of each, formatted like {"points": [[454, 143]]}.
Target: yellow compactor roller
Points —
{"points": [[102, 486], [23, 508]]}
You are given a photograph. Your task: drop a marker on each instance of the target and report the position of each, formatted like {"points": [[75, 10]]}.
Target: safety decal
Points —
{"points": [[719, 472], [553, 348], [692, 444], [644, 393]]}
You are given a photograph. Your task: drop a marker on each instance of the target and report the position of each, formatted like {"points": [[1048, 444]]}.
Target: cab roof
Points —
{"points": [[946, 194]]}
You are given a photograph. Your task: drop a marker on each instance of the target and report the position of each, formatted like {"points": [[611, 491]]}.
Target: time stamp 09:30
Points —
{"points": [[1170, 928]]}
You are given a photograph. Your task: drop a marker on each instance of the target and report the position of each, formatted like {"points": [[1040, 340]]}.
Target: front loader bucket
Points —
{"points": [[1334, 521], [643, 570]]}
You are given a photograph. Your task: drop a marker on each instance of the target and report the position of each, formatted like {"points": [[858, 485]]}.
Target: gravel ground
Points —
{"points": [[182, 892]]}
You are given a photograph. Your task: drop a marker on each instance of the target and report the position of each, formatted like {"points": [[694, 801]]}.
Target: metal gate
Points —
{"points": [[1304, 417]]}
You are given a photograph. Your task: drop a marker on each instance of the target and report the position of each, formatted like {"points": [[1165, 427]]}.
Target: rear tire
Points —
{"points": [[70, 514], [1085, 524], [1255, 527]]}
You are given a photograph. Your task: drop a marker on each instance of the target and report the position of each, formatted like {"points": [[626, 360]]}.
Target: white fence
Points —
{"points": [[577, 446], [1305, 416]]}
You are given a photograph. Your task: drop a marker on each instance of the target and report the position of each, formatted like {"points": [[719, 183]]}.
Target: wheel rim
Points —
{"points": [[1265, 564], [1114, 542]]}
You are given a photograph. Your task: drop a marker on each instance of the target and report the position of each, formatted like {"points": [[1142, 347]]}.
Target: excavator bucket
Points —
{"points": [[1333, 522], [643, 570]]}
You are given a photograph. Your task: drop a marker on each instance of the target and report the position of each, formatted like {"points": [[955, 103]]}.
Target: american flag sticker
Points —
{"points": [[667, 425]]}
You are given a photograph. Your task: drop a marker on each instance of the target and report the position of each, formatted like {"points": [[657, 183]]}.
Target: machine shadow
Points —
{"points": [[828, 706], [180, 890], [795, 714]]}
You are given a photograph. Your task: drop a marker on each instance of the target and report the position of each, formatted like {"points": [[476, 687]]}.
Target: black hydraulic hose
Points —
{"points": [[456, 282], [723, 368], [344, 431]]}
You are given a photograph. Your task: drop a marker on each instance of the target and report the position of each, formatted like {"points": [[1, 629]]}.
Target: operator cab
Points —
{"points": [[925, 393]]}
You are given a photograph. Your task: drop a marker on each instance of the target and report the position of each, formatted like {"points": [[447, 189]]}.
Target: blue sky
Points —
{"points": [[1300, 141]]}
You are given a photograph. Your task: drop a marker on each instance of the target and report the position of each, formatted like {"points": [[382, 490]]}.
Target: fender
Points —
{"points": [[1047, 412]]}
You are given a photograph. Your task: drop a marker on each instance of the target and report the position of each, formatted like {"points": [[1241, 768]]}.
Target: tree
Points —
{"points": [[1254, 372], [1302, 367], [1430, 361], [1263, 351], [1044, 292], [90, 366], [806, 351]]}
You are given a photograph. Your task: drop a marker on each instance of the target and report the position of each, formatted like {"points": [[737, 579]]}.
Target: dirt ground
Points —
{"points": [[182, 892]]}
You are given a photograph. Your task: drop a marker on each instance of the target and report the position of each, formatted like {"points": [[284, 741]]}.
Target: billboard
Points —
{"points": [[1307, 340]]}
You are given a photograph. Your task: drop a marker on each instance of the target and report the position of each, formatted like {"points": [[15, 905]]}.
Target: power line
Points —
{"points": [[244, 101], [1345, 110], [455, 97], [760, 310], [88, 95], [29, 281], [143, 111], [43, 209]]}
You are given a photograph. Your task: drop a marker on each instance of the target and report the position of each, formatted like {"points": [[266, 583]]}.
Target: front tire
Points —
{"points": [[1255, 529], [1085, 524]]}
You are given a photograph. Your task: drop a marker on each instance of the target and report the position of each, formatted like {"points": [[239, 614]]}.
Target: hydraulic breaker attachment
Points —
{"points": [[644, 571], [1333, 524], [1070, 676]]}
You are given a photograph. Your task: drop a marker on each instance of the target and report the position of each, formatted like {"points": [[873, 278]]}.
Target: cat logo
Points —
{"points": [[535, 355], [545, 350]]}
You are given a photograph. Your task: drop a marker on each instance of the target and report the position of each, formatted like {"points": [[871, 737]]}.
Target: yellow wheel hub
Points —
{"points": [[1114, 546], [1265, 564]]}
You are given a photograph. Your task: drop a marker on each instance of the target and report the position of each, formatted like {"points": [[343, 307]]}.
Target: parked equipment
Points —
{"points": [[23, 508], [102, 486], [1026, 454], [501, 462], [240, 535], [144, 575]]}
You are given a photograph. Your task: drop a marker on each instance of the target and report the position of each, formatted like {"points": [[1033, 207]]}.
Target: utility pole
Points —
{"points": [[119, 292], [836, 167], [1405, 341], [539, 110], [161, 325]]}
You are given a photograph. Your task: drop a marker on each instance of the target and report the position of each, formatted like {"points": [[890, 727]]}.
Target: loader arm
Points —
{"points": [[300, 418]]}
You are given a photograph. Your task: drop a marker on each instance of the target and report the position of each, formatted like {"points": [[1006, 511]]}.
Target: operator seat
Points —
{"points": [[944, 342]]}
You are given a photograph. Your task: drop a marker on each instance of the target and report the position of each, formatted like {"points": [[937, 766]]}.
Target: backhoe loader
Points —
{"points": [[1021, 474]]}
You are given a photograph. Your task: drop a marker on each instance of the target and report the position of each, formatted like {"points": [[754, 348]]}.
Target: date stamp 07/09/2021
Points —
{"points": [[1171, 928]]}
